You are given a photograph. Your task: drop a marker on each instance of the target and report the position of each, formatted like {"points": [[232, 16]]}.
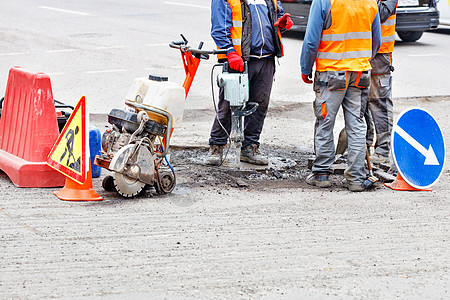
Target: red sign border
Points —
{"points": [[81, 179]]}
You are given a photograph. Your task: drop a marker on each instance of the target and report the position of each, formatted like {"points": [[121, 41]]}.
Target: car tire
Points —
{"points": [[410, 36]]}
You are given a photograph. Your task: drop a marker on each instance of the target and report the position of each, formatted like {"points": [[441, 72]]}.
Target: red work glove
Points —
{"points": [[235, 61], [307, 78], [284, 22]]}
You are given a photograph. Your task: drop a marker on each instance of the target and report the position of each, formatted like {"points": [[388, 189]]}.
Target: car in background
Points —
{"points": [[413, 16], [299, 11], [444, 13]]}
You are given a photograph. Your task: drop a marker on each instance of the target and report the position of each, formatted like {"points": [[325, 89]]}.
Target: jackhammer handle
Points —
{"points": [[182, 46], [250, 108], [201, 56]]}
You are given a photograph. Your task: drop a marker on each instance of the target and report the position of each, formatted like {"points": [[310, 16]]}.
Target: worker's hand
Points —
{"points": [[284, 22], [307, 78], [235, 61]]}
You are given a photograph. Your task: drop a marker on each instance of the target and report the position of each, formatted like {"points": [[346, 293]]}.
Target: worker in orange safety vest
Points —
{"points": [[380, 112], [341, 38]]}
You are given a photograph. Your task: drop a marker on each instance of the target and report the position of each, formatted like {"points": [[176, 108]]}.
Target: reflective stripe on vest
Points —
{"points": [[388, 34], [236, 29], [347, 44]]}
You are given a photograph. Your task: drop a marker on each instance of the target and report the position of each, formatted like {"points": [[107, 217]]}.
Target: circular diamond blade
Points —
{"points": [[126, 186]]}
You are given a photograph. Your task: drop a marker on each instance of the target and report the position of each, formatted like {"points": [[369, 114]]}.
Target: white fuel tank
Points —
{"points": [[158, 92]]}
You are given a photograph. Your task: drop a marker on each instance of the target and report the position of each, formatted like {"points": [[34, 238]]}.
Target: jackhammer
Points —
{"points": [[236, 91], [235, 85]]}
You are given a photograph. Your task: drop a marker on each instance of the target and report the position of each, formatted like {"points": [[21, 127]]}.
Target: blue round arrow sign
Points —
{"points": [[418, 148]]}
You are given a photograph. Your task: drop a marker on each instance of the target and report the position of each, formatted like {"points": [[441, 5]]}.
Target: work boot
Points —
{"points": [[321, 181], [251, 154], [379, 159], [358, 187], [215, 155]]}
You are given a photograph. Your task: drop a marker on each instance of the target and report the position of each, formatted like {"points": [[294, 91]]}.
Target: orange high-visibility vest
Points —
{"points": [[347, 44], [236, 29], [388, 33]]}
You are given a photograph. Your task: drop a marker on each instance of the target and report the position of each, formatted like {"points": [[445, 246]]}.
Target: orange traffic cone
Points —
{"points": [[399, 184], [73, 191]]}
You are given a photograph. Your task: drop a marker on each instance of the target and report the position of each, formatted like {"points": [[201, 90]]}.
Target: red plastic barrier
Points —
{"points": [[28, 130]]}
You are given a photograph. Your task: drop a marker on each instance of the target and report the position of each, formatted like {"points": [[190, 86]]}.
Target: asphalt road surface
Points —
{"points": [[210, 238]]}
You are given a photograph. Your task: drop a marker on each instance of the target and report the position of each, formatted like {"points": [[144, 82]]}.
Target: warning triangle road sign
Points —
{"points": [[69, 154]]}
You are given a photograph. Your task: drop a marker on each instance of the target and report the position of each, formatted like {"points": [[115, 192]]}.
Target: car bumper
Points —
{"points": [[298, 28], [300, 23], [410, 19]]}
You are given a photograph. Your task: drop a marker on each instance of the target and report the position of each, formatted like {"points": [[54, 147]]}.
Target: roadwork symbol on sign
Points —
{"points": [[418, 148], [69, 153]]}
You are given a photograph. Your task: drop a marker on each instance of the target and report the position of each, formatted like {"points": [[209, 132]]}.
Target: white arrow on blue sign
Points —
{"points": [[418, 148]]}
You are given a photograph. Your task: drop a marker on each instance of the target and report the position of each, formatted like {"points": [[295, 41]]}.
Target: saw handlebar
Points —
{"points": [[191, 59], [182, 46]]}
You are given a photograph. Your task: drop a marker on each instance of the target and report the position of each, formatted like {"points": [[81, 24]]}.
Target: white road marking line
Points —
{"points": [[105, 71], [186, 4], [424, 55], [66, 11], [70, 50], [55, 74], [61, 50], [171, 67], [156, 45], [110, 47], [12, 53]]}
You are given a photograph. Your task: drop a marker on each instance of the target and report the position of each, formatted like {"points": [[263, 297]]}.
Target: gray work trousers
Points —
{"points": [[350, 90], [380, 114], [260, 76]]}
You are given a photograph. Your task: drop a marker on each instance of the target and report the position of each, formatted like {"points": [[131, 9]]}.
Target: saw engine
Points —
{"points": [[130, 149]]}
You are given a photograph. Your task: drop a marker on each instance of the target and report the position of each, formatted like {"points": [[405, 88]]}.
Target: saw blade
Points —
{"points": [[126, 186]]}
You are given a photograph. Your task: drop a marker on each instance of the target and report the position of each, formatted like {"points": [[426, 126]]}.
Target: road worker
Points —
{"points": [[250, 31], [380, 105], [341, 38]]}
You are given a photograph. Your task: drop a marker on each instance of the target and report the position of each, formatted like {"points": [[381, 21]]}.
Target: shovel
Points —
{"points": [[342, 146], [342, 142], [372, 178]]}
